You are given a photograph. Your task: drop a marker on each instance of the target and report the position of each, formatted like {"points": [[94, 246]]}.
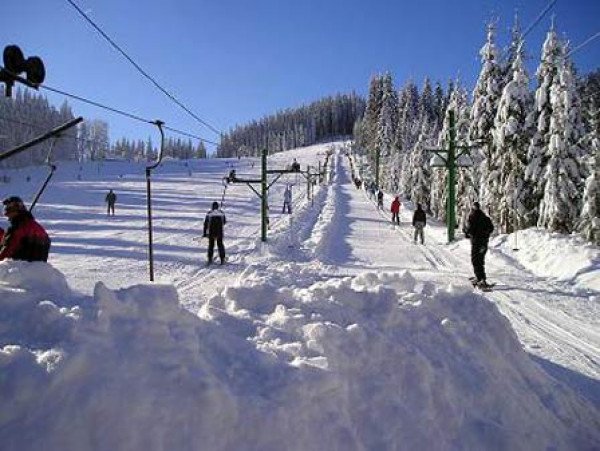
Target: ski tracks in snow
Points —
{"points": [[547, 316]]}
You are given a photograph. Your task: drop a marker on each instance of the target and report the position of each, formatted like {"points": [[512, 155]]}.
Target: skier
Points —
{"points": [[418, 222], [295, 166], [213, 229], [25, 239], [395, 209], [111, 199], [287, 200], [371, 191], [232, 176], [380, 200], [478, 228]]}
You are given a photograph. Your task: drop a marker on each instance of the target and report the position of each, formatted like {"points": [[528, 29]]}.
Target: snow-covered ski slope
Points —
{"points": [[341, 334]]}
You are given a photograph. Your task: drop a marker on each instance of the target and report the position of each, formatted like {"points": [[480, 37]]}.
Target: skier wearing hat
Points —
{"points": [[213, 229], [25, 239]]}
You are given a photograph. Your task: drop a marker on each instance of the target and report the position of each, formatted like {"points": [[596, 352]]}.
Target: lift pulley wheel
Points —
{"points": [[15, 62], [13, 58]]}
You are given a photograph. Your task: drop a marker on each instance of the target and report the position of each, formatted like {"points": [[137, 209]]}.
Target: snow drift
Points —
{"points": [[287, 359], [564, 257]]}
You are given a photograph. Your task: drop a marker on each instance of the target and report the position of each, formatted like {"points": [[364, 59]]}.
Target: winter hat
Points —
{"points": [[215, 205], [13, 203]]}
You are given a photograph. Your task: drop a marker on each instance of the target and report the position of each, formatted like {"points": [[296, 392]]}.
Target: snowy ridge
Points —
{"points": [[280, 362], [319, 240], [564, 257]]}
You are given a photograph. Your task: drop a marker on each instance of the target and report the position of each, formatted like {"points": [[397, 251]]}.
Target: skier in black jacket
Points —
{"points": [[213, 229], [478, 228], [418, 222]]}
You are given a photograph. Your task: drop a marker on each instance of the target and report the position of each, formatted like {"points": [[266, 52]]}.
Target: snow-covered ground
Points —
{"points": [[341, 334]]}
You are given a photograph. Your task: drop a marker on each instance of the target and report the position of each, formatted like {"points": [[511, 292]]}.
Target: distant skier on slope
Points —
{"points": [[213, 229], [25, 239], [395, 209], [478, 228], [380, 199], [418, 222], [111, 200], [287, 200]]}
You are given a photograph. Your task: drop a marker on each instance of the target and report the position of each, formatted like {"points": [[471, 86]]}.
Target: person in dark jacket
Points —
{"points": [[478, 228], [111, 199], [25, 239], [213, 229], [380, 199], [419, 221], [295, 166]]}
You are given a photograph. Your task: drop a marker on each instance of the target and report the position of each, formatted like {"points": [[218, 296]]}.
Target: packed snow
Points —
{"points": [[340, 333]]}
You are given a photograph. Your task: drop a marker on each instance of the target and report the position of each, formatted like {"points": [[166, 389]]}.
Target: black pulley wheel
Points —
{"points": [[34, 67], [14, 61]]}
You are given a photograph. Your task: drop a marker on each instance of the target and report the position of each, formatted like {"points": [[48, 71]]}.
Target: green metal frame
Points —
{"points": [[450, 163]]}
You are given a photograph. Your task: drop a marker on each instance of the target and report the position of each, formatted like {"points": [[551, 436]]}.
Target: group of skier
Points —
{"points": [[478, 229], [419, 219], [26, 239]]}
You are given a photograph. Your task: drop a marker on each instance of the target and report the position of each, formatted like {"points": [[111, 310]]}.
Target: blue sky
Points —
{"points": [[231, 61]]}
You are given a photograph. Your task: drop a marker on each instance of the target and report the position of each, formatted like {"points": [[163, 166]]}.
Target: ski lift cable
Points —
{"points": [[89, 141], [142, 71], [531, 27], [117, 111], [539, 18], [125, 113], [583, 44], [97, 104]]}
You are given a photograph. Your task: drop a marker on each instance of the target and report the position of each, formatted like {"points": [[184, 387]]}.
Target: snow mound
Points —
{"points": [[564, 257], [287, 359]]}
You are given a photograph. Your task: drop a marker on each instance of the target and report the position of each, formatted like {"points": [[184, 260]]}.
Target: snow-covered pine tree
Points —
{"points": [[440, 106], [371, 119], [514, 49], [439, 193], [420, 177], [200, 150], [537, 152], [386, 129], [485, 104], [512, 135], [406, 133], [563, 176], [427, 106], [458, 103], [589, 221], [466, 190]]}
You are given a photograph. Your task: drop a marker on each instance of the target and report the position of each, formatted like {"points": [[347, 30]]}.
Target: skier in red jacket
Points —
{"points": [[25, 239], [396, 210]]}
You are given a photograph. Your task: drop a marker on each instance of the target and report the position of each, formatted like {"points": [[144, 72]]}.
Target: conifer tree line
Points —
{"points": [[28, 115], [536, 160], [325, 119], [29, 108]]}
